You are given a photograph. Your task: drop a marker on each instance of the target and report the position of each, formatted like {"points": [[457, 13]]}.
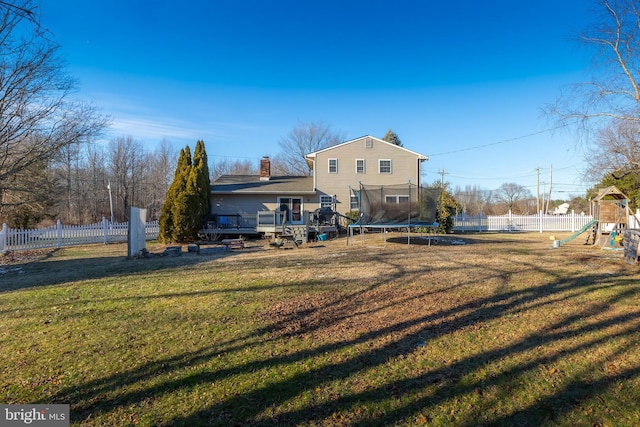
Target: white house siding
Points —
{"points": [[244, 204], [405, 168]]}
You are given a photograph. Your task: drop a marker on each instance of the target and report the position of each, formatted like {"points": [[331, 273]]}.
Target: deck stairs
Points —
{"points": [[297, 233]]}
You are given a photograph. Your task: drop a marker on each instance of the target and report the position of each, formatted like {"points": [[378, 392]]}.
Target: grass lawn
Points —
{"points": [[502, 330]]}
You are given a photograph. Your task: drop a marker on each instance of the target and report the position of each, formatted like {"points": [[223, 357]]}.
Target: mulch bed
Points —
{"points": [[24, 257]]}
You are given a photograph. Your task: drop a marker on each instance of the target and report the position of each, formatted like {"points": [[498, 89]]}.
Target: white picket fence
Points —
{"points": [[59, 235], [538, 222]]}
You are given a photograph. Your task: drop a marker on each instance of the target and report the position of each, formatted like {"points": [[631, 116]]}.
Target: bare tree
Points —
{"points": [[161, 166], [616, 150], [614, 89], [234, 167], [22, 209], [614, 158], [66, 170], [513, 195], [37, 117], [126, 159], [96, 178], [279, 165], [473, 199], [305, 138]]}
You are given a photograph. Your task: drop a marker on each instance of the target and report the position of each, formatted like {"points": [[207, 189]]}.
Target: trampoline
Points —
{"points": [[394, 207]]}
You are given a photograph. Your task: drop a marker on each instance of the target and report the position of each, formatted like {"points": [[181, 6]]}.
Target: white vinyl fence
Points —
{"points": [[59, 235], [509, 222]]}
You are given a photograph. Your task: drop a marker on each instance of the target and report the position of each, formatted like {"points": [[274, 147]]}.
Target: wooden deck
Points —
{"points": [[268, 224], [213, 234]]}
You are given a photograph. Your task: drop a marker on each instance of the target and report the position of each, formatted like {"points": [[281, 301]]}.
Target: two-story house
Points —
{"points": [[241, 203], [367, 160]]}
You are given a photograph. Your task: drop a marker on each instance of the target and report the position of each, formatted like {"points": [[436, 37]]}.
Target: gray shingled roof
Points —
{"points": [[251, 184]]}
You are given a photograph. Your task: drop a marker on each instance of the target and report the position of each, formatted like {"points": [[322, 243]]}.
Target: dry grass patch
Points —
{"points": [[500, 330]]}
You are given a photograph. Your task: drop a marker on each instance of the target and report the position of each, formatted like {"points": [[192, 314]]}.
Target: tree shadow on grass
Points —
{"points": [[49, 271], [449, 382], [441, 385]]}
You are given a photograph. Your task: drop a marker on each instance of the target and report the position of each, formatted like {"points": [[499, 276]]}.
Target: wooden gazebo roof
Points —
{"points": [[611, 192]]}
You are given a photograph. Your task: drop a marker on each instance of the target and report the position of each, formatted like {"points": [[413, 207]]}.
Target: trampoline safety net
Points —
{"points": [[405, 204]]}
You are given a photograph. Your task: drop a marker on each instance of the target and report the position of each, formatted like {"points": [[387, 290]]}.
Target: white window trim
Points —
{"points": [[364, 166], [329, 165], [279, 201], [326, 200], [380, 166], [354, 206]]}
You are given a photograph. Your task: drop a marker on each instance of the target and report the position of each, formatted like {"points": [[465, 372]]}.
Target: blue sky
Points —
{"points": [[463, 82]]}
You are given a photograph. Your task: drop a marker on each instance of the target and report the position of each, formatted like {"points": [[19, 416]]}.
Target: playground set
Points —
{"points": [[610, 209]]}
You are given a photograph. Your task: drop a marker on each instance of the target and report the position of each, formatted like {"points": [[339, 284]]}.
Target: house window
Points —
{"points": [[354, 202], [326, 201], [384, 166], [333, 165], [368, 143], [360, 166], [396, 199]]}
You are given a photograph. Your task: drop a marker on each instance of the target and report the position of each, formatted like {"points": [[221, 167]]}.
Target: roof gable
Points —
{"points": [[362, 140]]}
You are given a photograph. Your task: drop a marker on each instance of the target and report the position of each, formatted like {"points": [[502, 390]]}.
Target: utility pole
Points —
{"points": [[538, 191], [550, 185], [110, 200], [441, 184], [441, 197]]}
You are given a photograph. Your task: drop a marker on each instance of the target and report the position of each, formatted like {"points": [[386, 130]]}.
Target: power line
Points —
{"points": [[529, 173], [498, 142], [454, 175]]}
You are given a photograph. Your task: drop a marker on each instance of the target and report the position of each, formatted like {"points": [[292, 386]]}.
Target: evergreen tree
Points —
{"points": [[187, 201], [181, 218], [193, 214], [447, 208], [168, 222], [392, 137], [201, 166]]}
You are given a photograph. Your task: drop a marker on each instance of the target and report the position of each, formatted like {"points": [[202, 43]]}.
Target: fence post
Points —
{"points": [[105, 227], [59, 227], [3, 238], [540, 220]]}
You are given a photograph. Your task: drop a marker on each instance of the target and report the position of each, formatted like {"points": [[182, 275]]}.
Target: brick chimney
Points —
{"points": [[265, 169]]}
